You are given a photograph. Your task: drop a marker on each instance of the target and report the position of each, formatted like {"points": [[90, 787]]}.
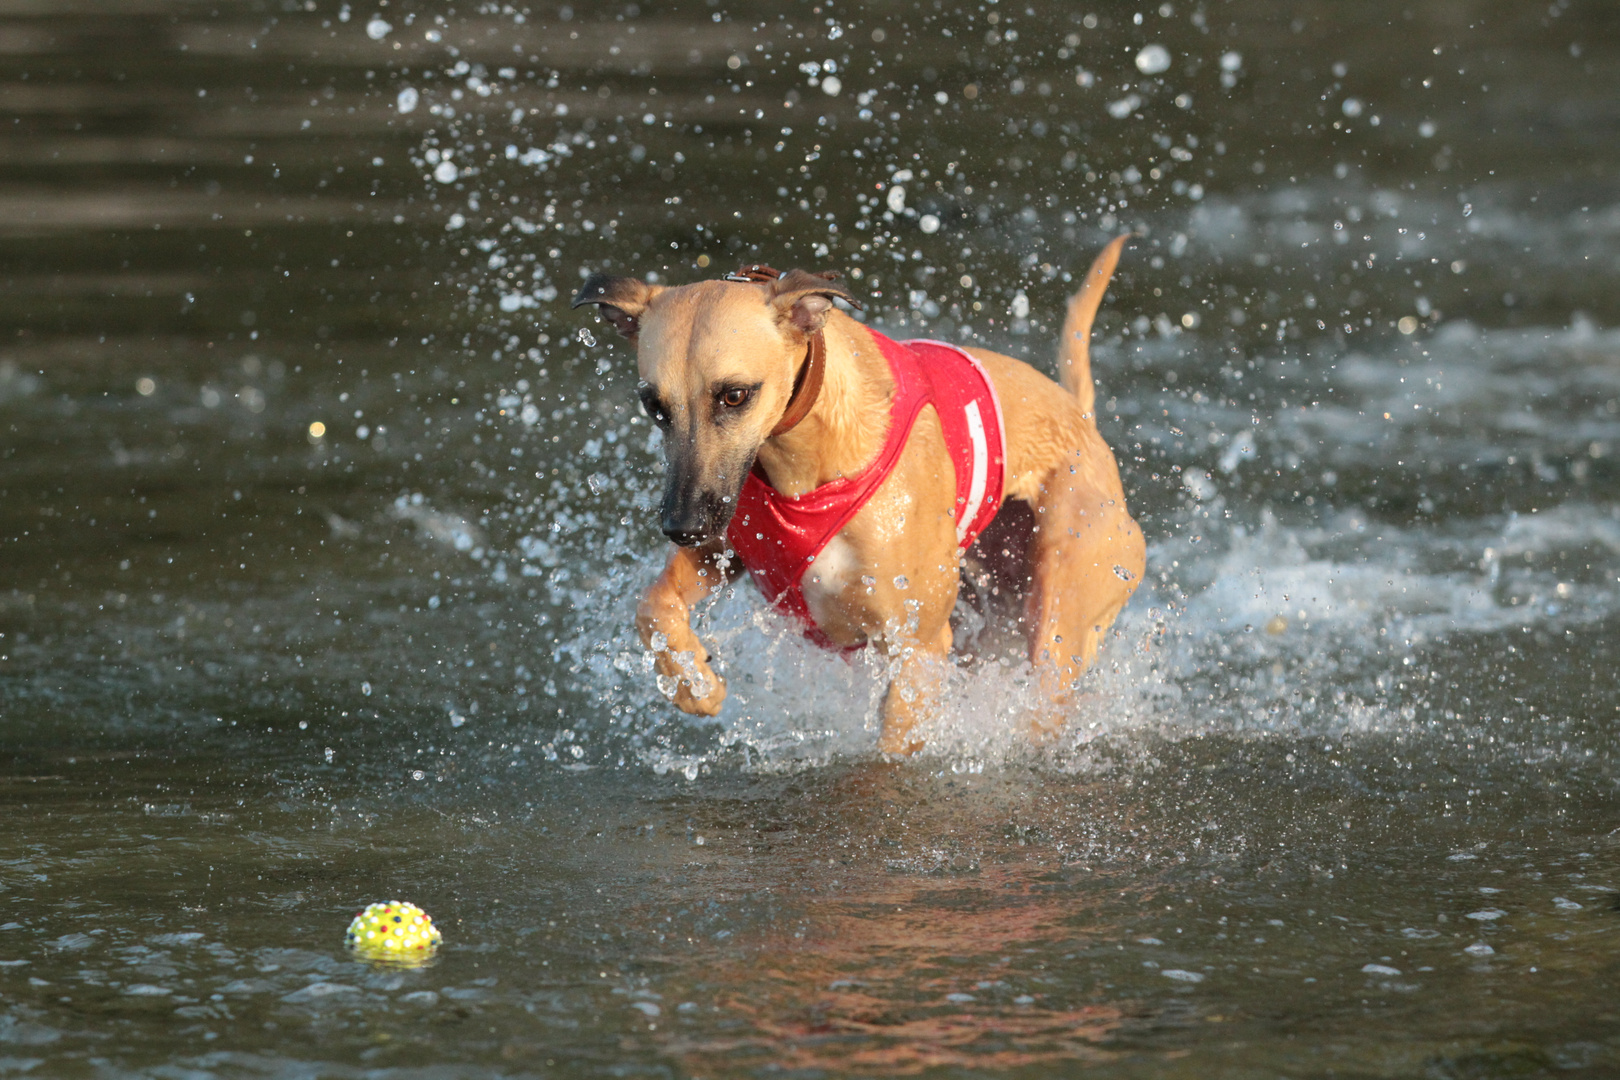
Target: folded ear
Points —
{"points": [[621, 300], [804, 298]]}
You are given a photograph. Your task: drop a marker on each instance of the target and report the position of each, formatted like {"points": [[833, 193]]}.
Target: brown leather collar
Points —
{"points": [[807, 384], [806, 387]]}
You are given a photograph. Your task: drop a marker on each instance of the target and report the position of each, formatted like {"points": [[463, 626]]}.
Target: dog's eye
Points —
{"points": [[655, 411], [734, 397]]}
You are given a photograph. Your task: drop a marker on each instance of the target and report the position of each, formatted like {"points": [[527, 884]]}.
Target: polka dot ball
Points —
{"points": [[393, 930]]}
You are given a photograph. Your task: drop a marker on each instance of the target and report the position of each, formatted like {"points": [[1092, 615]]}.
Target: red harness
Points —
{"points": [[777, 537]]}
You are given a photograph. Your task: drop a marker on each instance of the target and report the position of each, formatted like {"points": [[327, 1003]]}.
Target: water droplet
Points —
{"points": [[1153, 60], [585, 337], [1122, 108]]}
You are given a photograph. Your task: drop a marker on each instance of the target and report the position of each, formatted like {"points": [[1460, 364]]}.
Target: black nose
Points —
{"points": [[687, 525], [686, 537], [693, 515]]}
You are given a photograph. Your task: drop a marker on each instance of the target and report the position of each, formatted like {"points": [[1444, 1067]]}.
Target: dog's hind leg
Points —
{"points": [[1086, 558], [1087, 554], [664, 620]]}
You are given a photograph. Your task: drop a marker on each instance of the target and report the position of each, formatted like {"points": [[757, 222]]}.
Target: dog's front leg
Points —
{"points": [[914, 692], [664, 619]]}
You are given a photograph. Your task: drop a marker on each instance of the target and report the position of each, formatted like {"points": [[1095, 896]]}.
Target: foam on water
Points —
{"points": [[1466, 395], [1254, 635]]}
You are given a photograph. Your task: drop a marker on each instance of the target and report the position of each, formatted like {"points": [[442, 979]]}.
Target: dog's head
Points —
{"points": [[718, 363]]}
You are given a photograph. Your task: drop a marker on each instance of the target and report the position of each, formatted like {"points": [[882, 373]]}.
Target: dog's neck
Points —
{"points": [[845, 429]]}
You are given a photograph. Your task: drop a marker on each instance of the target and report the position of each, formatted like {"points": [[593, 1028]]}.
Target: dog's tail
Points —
{"points": [[1074, 350]]}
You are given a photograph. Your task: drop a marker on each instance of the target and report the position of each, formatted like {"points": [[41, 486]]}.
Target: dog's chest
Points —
{"points": [[832, 591]]}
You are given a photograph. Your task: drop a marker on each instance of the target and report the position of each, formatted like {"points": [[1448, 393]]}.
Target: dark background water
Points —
{"points": [[1339, 799]]}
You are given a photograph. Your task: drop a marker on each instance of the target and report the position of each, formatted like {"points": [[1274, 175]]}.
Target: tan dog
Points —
{"points": [[723, 363]]}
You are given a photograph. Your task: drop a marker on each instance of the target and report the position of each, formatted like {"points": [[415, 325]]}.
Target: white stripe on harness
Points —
{"points": [[981, 471], [981, 449]]}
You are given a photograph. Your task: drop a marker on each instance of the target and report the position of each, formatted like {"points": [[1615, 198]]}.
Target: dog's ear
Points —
{"points": [[804, 298], [621, 300]]}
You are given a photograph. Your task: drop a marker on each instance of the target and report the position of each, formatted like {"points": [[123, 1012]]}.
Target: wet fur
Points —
{"points": [[1073, 551]]}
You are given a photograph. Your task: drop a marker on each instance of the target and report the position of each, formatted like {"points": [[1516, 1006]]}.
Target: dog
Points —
{"points": [[841, 469]]}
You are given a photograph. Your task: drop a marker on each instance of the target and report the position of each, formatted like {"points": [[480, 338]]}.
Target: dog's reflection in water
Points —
{"points": [[904, 979], [944, 953]]}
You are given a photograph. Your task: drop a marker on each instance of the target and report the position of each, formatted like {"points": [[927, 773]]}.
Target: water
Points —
{"points": [[323, 520]]}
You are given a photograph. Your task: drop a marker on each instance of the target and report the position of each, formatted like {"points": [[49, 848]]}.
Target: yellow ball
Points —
{"points": [[393, 931]]}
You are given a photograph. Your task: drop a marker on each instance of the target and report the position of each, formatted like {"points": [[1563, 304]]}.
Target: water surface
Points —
{"points": [[323, 518]]}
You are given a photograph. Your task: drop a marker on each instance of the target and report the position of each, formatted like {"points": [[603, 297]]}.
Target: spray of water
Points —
{"points": [[1276, 600]]}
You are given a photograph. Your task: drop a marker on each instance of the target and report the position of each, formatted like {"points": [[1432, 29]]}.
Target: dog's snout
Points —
{"points": [[688, 523], [692, 518], [701, 485]]}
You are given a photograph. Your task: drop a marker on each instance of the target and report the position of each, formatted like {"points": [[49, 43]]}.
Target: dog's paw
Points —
{"points": [[690, 683], [1045, 727], [898, 744], [899, 738], [1048, 723], [707, 704]]}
